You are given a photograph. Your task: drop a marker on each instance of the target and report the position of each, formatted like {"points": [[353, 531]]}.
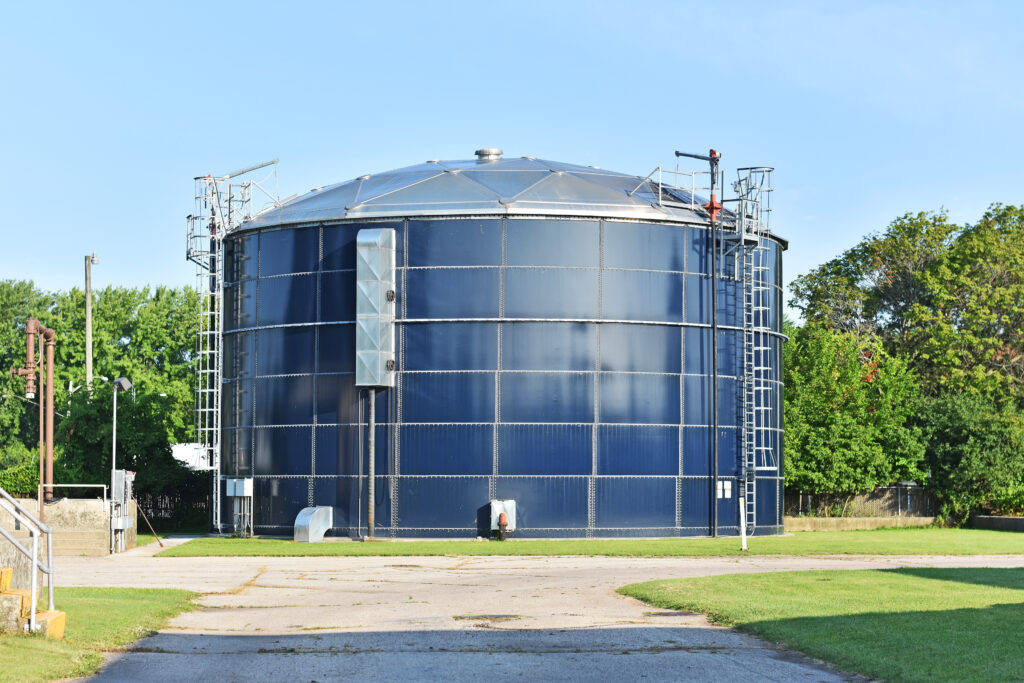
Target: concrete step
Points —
{"points": [[23, 597], [63, 534], [72, 543], [50, 623], [82, 550], [10, 612], [16, 612]]}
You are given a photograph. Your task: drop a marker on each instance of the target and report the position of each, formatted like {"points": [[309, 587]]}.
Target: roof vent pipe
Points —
{"points": [[487, 154]]}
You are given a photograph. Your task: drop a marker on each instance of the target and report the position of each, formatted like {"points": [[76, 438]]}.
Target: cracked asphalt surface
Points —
{"points": [[433, 618]]}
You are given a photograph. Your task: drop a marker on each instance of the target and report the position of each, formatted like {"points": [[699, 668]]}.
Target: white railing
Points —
{"points": [[39, 491], [690, 182], [36, 529]]}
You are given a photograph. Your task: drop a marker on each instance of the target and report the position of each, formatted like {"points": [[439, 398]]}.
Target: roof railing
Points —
{"points": [[681, 181]]}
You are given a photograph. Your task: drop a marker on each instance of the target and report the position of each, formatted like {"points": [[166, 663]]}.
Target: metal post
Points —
{"points": [[359, 488], [713, 207], [50, 344], [743, 521], [371, 488], [113, 467], [35, 580], [49, 577], [88, 321], [42, 429], [113, 449], [714, 346]]}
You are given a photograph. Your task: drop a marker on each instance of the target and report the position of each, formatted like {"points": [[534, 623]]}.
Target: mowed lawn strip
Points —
{"points": [[899, 625], [98, 619], [919, 541], [143, 538]]}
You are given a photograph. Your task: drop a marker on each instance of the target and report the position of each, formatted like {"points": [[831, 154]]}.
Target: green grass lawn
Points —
{"points": [[900, 625], [144, 538], [98, 619], [914, 541]]}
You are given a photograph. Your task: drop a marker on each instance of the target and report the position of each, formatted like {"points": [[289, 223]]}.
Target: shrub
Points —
{"points": [[974, 451], [21, 480]]}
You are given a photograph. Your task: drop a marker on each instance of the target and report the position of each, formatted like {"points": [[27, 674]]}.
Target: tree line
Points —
{"points": [[145, 334], [909, 365]]}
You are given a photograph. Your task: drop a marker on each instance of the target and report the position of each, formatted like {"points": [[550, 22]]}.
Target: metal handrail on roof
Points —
{"points": [[36, 528]]}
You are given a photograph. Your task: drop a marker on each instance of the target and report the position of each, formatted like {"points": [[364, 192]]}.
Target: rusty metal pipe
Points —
{"points": [[31, 327], [28, 372], [48, 337]]}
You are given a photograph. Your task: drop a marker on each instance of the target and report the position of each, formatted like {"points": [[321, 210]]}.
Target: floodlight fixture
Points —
{"points": [[122, 384]]}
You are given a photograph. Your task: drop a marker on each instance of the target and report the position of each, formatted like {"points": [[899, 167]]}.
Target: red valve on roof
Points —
{"points": [[713, 207]]}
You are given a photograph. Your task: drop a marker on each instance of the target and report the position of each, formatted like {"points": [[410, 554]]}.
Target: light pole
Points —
{"points": [[118, 499], [120, 384], [90, 261]]}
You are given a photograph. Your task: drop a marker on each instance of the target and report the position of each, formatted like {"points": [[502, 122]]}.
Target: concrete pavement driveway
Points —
{"points": [[456, 618]]}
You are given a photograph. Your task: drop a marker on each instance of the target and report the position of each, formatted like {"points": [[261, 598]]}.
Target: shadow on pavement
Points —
{"points": [[648, 653]]}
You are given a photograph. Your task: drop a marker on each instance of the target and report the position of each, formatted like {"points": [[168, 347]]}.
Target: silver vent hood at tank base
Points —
{"points": [[486, 185]]}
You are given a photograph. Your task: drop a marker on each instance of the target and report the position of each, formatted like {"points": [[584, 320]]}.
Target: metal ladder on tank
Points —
{"points": [[204, 236], [753, 188], [220, 207]]}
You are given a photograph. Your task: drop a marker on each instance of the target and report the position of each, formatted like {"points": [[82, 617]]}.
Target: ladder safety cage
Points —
{"points": [[220, 207], [753, 189], [747, 221]]}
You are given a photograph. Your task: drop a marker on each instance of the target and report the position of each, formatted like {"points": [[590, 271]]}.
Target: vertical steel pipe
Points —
{"points": [[88, 323], [35, 579], [113, 447], [42, 431], [49, 577], [371, 488], [50, 344], [714, 347]]}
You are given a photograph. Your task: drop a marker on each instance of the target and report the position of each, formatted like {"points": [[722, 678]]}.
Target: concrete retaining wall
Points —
{"points": [[850, 523], [998, 523], [80, 526]]}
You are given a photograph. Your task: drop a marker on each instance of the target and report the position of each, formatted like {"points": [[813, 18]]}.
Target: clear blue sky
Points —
{"points": [[867, 110]]}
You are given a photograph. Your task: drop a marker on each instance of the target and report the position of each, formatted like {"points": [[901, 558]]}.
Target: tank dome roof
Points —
{"points": [[487, 185]]}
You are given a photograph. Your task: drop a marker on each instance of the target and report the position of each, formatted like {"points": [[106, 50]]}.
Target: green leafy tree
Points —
{"points": [[975, 454], [846, 407], [970, 335], [948, 298], [876, 285], [145, 334], [142, 443]]}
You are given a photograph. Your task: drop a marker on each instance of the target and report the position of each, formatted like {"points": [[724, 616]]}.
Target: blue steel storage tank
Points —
{"points": [[552, 346]]}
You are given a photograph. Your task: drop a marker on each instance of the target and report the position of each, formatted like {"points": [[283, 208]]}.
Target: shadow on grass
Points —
{"points": [[998, 578], [970, 644]]}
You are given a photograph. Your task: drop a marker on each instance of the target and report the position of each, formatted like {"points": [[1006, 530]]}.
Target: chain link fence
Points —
{"points": [[885, 501]]}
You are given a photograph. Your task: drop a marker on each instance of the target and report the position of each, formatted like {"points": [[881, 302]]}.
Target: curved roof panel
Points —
{"points": [[519, 186]]}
